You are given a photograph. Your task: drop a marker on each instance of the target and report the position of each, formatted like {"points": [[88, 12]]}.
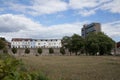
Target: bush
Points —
{"points": [[2, 44], [51, 50], [14, 50], [5, 50], [38, 76], [27, 51], [13, 69], [39, 50], [62, 50]]}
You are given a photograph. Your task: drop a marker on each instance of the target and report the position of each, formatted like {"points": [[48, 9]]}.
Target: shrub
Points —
{"points": [[5, 50], [14, 50], [27, 51], [51, 50], [62, 50], [2, 44], [13, 69], [39, 50]]}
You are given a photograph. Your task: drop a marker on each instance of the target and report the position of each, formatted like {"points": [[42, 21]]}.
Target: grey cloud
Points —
{"points": [[8, 23]]}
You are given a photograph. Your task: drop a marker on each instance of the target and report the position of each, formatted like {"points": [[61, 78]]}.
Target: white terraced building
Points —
{"points": [[35, 43]]}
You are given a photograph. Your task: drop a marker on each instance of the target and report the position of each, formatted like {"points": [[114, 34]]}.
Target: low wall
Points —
{"points": [[45, 51]]}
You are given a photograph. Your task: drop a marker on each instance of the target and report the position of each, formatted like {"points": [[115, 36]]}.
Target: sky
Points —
{"points": [[53, 19]]}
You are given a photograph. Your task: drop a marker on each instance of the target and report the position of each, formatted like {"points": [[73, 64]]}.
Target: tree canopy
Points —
{"points": [[2, 44], [74, 43], [92, 44]]}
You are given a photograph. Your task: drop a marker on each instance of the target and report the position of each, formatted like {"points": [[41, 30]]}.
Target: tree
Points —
{"points": [[62, 51], [106, 44], [74, 44], [27, 51], [66, 43], [39, 50], [51, 51], [98, 42], [77, 43], [2, 44], [14, 50], [92, 44]]}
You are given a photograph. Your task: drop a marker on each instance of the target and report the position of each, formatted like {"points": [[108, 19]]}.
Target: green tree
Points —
{"points": [[62, 51], [14, 50], [92, 44], [77, 43], [106, 44], [74, 44], [39, 50], [27, 51], [2, 44], [51, 51], [99, 42], [66, 43]]}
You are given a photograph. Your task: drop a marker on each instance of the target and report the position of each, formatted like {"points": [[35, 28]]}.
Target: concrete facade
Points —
{"points": [[93, 27]]}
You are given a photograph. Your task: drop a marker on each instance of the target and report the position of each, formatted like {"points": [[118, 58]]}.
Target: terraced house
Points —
{"points": [[35, 43]]}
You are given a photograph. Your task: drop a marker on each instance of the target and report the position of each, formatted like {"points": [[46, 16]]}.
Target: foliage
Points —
{"points": [[106, 44], [77, 43], [11, 69], [3, 39], [27, 51], [5, 50], [66, 42], [2, 44], [39, 50], [62, 51], [14, 50], [74, 44], [99, 42], [51, 50], [38, 76], [8, 66], [92, 44]]}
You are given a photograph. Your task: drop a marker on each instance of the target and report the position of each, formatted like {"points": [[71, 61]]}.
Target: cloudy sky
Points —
{"points": [[57, 18]]}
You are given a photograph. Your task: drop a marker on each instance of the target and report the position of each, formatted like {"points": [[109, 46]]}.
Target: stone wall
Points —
{"points": [[45, 51]]}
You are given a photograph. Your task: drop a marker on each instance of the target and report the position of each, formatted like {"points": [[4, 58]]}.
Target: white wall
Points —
{"points": [[45, 43]]}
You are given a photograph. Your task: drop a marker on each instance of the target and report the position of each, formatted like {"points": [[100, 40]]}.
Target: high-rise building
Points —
{"points": [[93, 27]]}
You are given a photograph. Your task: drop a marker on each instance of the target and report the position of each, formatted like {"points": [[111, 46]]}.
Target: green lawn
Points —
{"points": [[75, 67]]}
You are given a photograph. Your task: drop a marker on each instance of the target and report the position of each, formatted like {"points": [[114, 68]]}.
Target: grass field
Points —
{"points": [[75, 67]]}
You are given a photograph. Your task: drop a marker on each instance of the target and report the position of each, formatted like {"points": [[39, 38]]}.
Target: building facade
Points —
{"points": [[93, 27], [35, 43]]}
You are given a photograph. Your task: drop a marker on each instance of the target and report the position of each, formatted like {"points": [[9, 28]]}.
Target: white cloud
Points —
{"points": [[48, 6], [39, 7], [83, 7], [86, 12], [112, 29], [87, 8], [113, 6], [80, 4], [21, 26]]}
